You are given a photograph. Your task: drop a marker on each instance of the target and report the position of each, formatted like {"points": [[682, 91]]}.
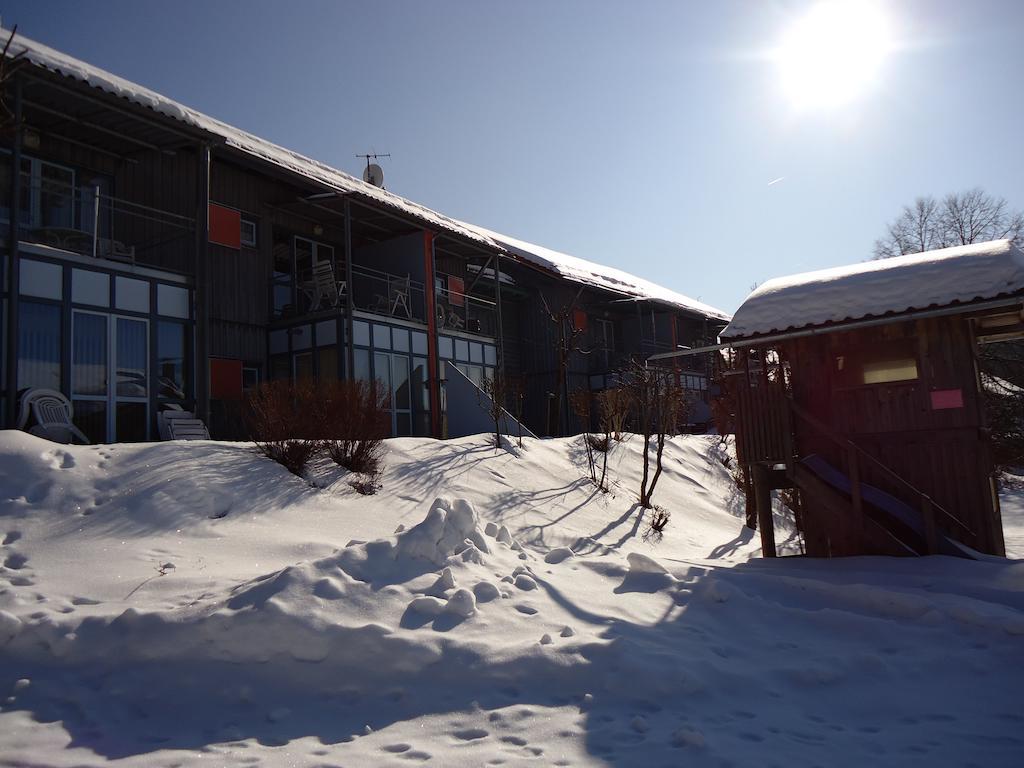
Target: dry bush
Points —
{"points": [[355, 421], [613, 408], [283, 419], [660, 406], [580, 402], [598, 442]]}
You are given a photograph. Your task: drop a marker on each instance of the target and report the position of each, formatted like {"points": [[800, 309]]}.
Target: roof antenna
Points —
{"points": [[373, 173]]}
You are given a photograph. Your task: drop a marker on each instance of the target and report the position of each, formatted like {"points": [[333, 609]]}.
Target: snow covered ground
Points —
{"points": [[185, 604]]}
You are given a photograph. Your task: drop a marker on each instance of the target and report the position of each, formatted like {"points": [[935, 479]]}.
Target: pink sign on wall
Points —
{"points": [[947, 398]]}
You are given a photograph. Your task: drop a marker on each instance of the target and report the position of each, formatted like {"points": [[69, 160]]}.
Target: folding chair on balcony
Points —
{"points": [[398, 296], [53, 416], [326, 288]]}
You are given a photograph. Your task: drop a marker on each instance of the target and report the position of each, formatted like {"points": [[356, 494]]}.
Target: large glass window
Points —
{"points": [[89, 363], [170, 360], [131, 357], [39, 341]]}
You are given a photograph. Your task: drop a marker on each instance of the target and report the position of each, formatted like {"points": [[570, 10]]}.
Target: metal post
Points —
{"points": [[202, 272], [497, 301], [14, 271], [350, 304], [95, 220]]}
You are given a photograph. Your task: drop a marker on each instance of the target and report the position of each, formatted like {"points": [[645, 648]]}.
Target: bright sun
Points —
{"points": [[834, 52]]}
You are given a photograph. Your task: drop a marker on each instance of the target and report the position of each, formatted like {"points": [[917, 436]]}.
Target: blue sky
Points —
{"points": [[641, 135]]}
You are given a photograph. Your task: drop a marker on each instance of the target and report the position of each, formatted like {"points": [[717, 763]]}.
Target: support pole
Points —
{"points": [[763, 496], [433, 366], [202, 277], [13, 270], [501, 335], [350, 304]]}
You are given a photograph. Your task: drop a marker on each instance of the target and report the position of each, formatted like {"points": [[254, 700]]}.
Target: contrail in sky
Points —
{"points": [[775, 181]]}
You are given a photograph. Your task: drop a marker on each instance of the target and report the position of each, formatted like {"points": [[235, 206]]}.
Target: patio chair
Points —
{"points": [[177, 424], [53, 416], [398, 295], [325, 286]]}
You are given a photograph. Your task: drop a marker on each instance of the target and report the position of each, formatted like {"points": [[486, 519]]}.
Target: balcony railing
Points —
{"points": [[461, 312], [383, 293], [84, 220]]}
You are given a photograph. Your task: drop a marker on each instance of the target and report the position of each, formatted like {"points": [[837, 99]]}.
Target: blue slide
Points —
{"points": [[885, 502]]}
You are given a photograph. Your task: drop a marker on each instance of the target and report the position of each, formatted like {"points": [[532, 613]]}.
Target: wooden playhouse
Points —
{"points": [[858, 388]]}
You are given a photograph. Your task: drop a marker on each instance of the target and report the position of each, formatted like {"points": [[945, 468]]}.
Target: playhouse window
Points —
{"points": [[885, 371]]}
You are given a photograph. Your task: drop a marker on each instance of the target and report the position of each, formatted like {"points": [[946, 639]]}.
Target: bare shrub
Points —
{"points": [[494, 405], [614, 406], [354, 424], [598, 442], [660, 404], [580, 402], [283, 420]]}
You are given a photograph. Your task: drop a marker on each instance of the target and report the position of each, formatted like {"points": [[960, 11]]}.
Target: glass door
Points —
{"points": [[110, 376]]}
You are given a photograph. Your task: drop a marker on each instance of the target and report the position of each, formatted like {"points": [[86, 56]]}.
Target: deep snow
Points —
{"points": [[178, 604]]}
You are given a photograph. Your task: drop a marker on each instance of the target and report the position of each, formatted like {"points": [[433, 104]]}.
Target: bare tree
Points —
{"points": [[516, 386], [580, 401], [659, 405], [960, 218], [494, 388]]}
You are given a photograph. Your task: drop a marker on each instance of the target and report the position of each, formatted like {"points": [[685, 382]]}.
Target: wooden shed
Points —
{"points": [[858, 387]]}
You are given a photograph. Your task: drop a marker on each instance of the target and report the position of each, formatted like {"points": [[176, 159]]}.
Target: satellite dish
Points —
{"points": [[373, 175]]}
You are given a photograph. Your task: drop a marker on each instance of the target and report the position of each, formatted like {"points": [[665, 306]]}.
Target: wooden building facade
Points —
{"points": [[155, 257]]}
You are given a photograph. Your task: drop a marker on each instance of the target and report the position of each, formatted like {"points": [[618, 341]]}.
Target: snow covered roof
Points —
{"points": [[884, 287], [570, 267], [587, 272], [60, 63]]}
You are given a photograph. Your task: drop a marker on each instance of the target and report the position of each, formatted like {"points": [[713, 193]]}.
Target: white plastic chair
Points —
{"points": [[176, 424], [53, 414]]}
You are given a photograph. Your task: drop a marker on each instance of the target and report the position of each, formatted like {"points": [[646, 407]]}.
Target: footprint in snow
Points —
{"points": [[11, 537]]}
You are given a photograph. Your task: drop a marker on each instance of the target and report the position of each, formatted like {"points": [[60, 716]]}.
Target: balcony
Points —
{"points": [[82, 219], [461, 312]]}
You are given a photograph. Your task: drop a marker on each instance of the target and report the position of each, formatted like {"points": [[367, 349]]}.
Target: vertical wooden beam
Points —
{"points": [[13, 270], [433, 367], [853, 460], [202, 277], [763, 495], [350, 304]]}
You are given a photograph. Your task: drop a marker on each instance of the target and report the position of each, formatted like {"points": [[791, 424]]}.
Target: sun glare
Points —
{"points": [[833, 53]]}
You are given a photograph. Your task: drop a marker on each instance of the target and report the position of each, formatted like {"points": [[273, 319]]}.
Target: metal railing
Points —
{"points": [[462, 312], [383, 293], [81, 219]]}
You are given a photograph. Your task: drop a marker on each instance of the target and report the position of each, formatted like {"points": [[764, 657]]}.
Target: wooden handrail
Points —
{"points": [[927, 503]]}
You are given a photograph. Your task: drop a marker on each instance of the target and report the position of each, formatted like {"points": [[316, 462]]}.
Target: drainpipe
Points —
{"points": [[433, 365], [202, 380], [350, 305]]}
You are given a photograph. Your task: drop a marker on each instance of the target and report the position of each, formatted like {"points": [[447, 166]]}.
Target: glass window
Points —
{"points": [[89, 354], [361, 360], [278, 342], [170, 360], [280, 370], [382, 371], [39, 339], [360, 333], [886, 371], [327, 363], [403, 425], [476, 352], [326, 333], [131, 294], [130, 371], [490, 354], [381, 336], [91, 417], [476, 375], [89, 287], [250, 379], [303, 366], [282, 280], [248, 233], [419, 383], [461, 349], [400, 339], [444, 348], [56, 197], [131, 422], [172, 301], [419, 343], [400, 371], [42, 279], [302, 336]]}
